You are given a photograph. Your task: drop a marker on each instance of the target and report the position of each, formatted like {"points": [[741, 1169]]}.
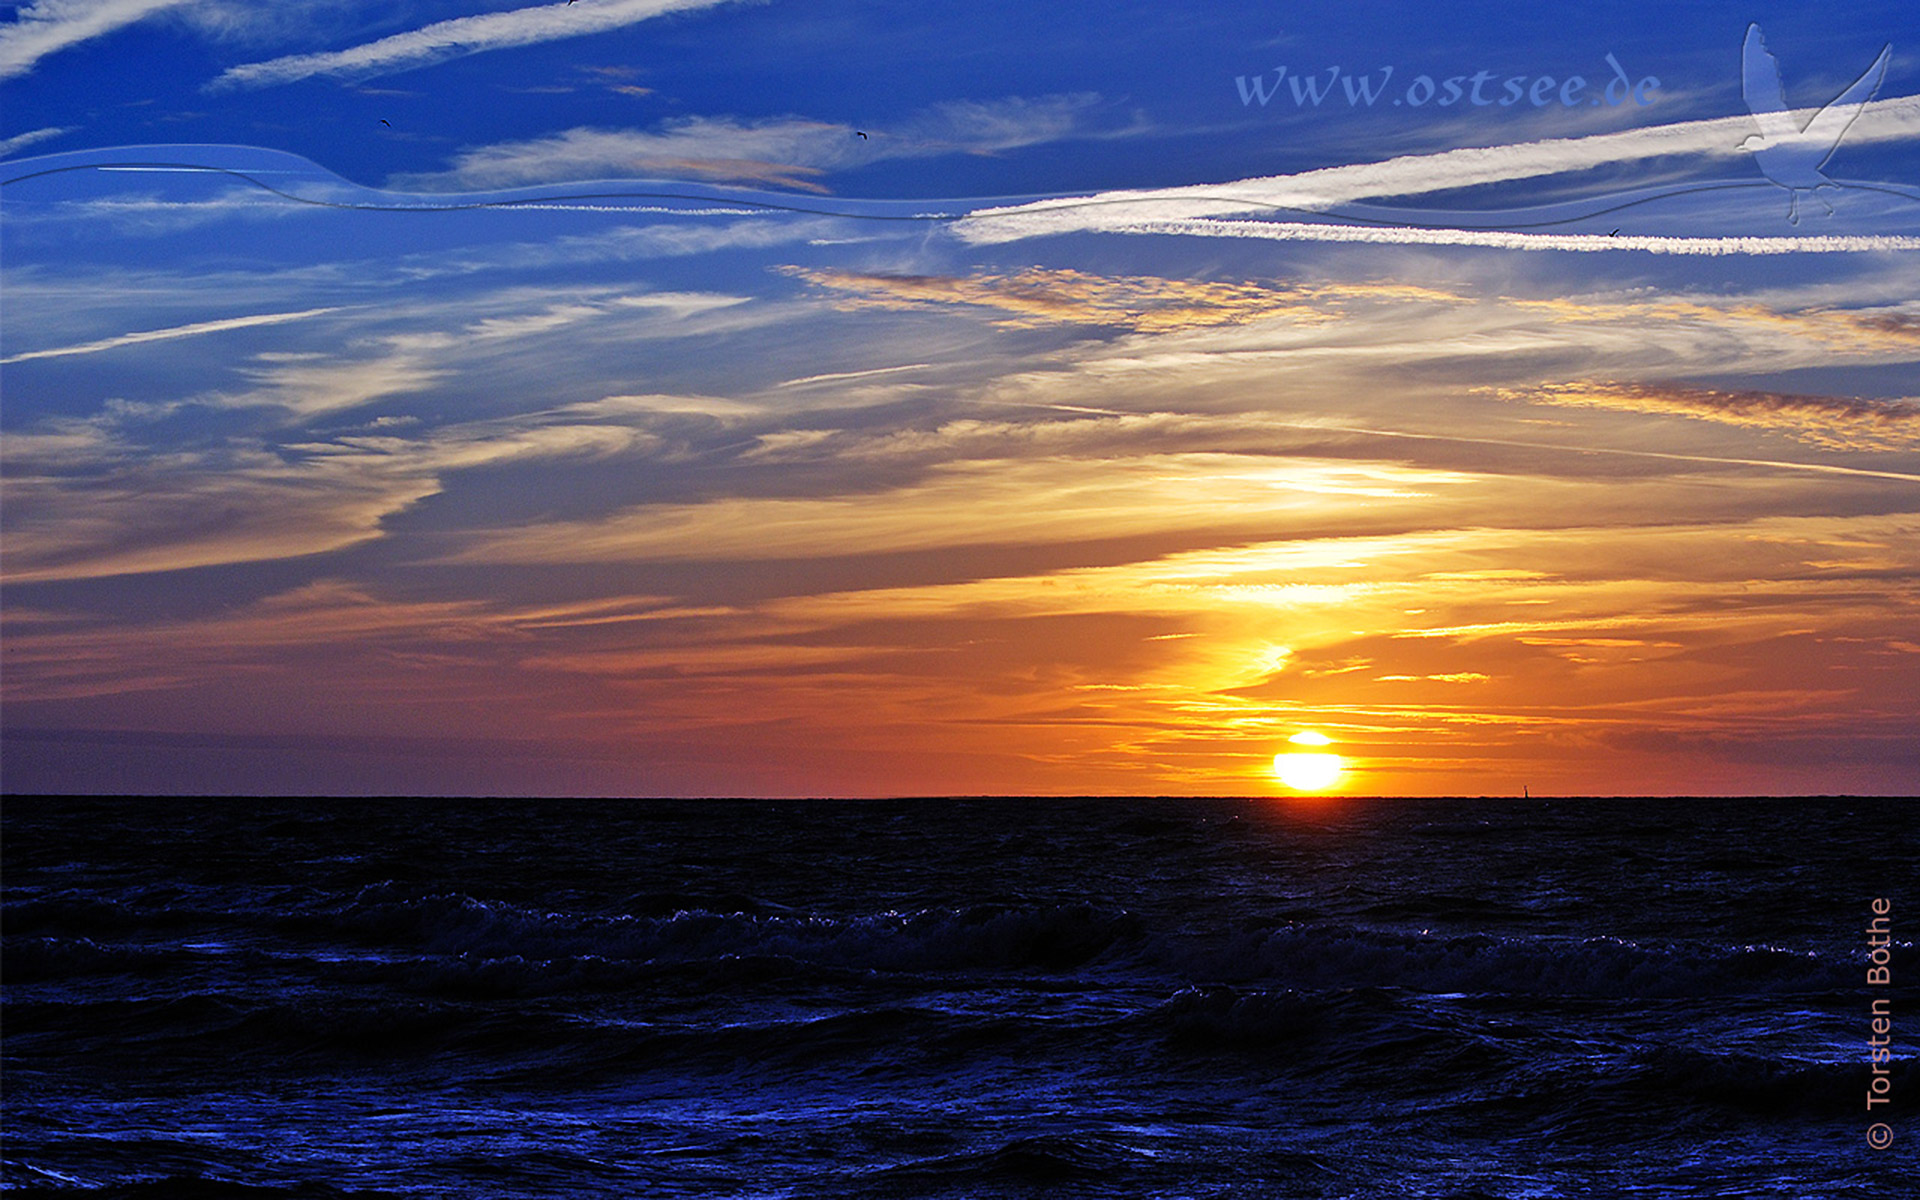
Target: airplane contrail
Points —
{"points": [[1895, 119], [161, 335], [1308, 231]]}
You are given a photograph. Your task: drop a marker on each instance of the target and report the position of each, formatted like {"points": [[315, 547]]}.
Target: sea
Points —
{"points": [[985, 997]]}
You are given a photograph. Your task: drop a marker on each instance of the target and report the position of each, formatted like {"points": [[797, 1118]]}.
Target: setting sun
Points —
{"points": [[1308, 770]]}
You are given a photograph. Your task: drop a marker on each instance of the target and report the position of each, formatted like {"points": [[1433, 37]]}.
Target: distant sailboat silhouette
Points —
{"points": [[1787, 154]]}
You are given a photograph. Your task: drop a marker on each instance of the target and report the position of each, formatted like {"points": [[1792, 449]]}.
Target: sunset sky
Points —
{"points": [[569, 399]]}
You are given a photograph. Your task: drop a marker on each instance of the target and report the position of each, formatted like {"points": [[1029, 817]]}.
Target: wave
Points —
{"points": [[199, 1039], [1743, 1081], [454, 944], [34, 1185], [993, 935], [1307, 956], [1040, 1160]]}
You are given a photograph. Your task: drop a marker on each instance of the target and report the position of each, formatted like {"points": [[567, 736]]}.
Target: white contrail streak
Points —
{"points": [[1306, 231], [161, 335], [1778, 464], [454, 38], [1896, 119]]}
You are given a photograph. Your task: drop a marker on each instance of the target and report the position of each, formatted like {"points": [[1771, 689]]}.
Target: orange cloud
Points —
{"points": [[1833, 422], [1042, 296], [1850, 331]]}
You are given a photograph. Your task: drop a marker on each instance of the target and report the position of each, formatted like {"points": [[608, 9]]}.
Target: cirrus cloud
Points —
{"points": [[788, 151], [1834, 422], [52, 25], [453, 39]]}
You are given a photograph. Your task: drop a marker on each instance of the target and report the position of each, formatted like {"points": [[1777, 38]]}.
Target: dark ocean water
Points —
{"points": [[965, 998]]}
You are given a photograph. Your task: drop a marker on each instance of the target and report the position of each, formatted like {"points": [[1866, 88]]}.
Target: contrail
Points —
{"points": [[1824, 468], [1014, 227], [1895, 119], [161, 335], [453, 38]]}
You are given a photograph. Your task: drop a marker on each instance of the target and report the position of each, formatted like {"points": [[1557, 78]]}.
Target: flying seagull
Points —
{"points": [[861, 136], [387, 123], [1789, 155]]}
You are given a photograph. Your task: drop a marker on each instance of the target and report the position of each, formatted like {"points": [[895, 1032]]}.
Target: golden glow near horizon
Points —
{"points": [[1308, 770], [976, 528]]}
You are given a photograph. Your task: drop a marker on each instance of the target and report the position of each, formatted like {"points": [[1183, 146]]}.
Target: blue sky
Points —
{"points": [[1025, 97], [442, 397]]}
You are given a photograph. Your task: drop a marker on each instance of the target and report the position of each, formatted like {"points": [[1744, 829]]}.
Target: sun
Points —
{"points": [[1308, 770]]}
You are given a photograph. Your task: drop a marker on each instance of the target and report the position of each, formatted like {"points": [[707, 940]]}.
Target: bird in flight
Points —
{"points": [[861, 136], [1789, 155], [387, 123]]}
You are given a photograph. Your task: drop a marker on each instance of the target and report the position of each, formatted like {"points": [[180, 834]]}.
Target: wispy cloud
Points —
{"points": [[23, 140], [988, 126], [782, 151], [1834, 422], [785, 153], [455, 38], [309, 386], [162, 335], [138, 215], [1042, 296], [243, 500], [1173, 209], [197, 511], [1891, 330], [51, 25], [268, 470], [1039, 500], [683, 236], [69, 663]]}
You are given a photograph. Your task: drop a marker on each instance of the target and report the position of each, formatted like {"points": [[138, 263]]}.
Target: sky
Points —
{"points": [[721, 397]]}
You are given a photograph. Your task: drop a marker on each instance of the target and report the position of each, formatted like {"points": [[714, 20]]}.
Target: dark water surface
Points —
{"points": [[966, 998]]}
